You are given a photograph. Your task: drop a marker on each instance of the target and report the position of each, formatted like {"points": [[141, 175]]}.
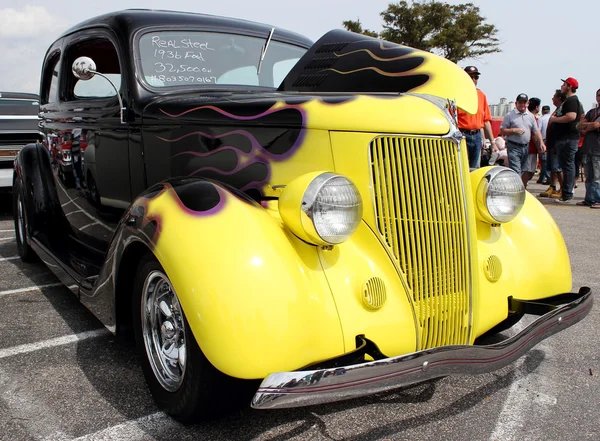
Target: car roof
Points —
{"points": [[19, 96], [131, 20]]}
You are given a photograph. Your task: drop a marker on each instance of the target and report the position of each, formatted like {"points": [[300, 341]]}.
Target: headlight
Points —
{"points": [[321, 208], [500, 195]]}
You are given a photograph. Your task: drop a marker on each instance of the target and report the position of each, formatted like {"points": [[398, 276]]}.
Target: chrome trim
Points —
{"points": [[21, 230], [163, 330], [303, 388], [19, 117], [441, 103], [483, 190], [310, 197]]}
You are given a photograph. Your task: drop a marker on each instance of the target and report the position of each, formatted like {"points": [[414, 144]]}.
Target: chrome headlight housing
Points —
{"points": [[321, 208], [500, 195]]}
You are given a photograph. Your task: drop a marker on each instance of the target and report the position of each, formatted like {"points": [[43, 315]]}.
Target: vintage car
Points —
{"points": [[282, 222], [18, 126]]}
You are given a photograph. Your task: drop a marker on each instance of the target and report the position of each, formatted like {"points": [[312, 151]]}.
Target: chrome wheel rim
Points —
{"points": [[164, 331], [20, 220]]}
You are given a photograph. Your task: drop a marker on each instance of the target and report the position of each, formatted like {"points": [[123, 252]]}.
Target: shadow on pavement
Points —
{"points": [[5, 206]]}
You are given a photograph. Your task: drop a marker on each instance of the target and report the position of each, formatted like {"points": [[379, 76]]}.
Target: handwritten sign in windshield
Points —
{"points": [[171, 59]]}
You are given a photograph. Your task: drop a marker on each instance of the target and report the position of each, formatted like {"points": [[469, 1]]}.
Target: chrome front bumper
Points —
{"points": [[303, 388]]}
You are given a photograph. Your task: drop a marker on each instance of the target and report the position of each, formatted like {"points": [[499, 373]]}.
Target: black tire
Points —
{"points": [[92, 189], [204, 392], [22, 232]]}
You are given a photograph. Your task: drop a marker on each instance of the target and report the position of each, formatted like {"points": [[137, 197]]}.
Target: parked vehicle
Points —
{"points": [[18, 126], [260, 207]]}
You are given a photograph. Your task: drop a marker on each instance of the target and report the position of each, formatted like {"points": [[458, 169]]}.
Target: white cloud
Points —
{"points": [[28, 22], [26, 34]]}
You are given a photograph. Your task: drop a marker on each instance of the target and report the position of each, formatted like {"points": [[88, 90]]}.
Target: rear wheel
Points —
{"points": [[21, 225], [179, 376], [93, 190]]}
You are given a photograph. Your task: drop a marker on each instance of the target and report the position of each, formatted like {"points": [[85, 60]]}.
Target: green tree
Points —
{"points": [[356, 26], [453, 31]]}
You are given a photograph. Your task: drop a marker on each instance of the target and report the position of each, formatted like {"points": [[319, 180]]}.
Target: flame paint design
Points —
{"points": [[249, 166], [375, 69], [376, 57]]}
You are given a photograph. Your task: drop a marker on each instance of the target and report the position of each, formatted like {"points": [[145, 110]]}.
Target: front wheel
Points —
{"points": [[179, 376], [21, 225]]}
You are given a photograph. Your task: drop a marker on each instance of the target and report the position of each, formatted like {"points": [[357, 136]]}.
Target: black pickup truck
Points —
{"points": [[18, 126]]}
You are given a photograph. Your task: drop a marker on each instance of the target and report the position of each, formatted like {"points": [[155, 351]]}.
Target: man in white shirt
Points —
{"points": [[543, 123]]}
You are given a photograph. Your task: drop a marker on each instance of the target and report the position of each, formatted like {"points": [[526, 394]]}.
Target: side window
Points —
{"points": [[50, 83], [281, 69], [104, 54]]}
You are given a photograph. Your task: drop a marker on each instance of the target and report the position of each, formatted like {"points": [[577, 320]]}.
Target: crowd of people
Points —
{"points": [[557, 143]]}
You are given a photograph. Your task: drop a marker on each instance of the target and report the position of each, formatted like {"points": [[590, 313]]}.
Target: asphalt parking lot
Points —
{"points": [[64, 377]]}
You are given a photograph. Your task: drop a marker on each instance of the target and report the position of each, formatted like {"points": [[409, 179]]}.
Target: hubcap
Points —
{"points": [[163, 330], [20, 221]]}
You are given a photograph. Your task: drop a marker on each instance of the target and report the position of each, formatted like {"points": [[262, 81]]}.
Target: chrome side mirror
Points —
{"points": [[84, 68]]}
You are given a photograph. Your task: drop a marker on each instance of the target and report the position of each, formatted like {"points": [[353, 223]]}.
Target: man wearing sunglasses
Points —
{"points": [[472, 125]]}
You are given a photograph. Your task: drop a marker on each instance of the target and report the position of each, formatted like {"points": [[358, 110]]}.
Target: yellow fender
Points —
{"points": [[517, 264], [255, 296]]}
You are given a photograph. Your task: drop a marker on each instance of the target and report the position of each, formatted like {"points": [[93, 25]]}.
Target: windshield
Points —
{"points": [[185, 58]]}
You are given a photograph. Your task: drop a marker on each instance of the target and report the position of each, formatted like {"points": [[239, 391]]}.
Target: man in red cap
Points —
{"points": [[471, 125], [567, 135]]}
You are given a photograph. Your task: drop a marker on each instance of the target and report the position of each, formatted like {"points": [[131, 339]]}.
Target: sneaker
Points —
{"points": [[548, 192], [562, 200], [556, 194]]}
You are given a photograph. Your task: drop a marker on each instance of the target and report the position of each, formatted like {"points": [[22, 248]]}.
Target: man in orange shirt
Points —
{"points": [[472, 125]]}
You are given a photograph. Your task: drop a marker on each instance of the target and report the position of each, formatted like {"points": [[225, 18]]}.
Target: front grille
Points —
{"points": [[420, 215]]}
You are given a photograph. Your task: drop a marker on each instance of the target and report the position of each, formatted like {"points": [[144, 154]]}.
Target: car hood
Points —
{"points": [[343, 61], [374, 113]]}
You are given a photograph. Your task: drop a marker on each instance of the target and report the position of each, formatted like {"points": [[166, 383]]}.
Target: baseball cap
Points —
{"points": [[522, 97], [571, 82], [472, 70]]}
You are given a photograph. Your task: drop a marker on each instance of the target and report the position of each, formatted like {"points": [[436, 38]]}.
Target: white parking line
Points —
{"points": [[84, 212], [528, 392], [2, 259], [88, 225], [12, 230], [136, 430], [34, 288], [53, 342], [7, 238]]}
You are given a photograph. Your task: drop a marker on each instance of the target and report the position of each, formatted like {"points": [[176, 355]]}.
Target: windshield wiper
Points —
{"points": [[264, 51]]}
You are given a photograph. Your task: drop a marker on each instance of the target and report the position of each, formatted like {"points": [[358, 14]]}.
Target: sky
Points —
{"points": [[537, 52]]}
